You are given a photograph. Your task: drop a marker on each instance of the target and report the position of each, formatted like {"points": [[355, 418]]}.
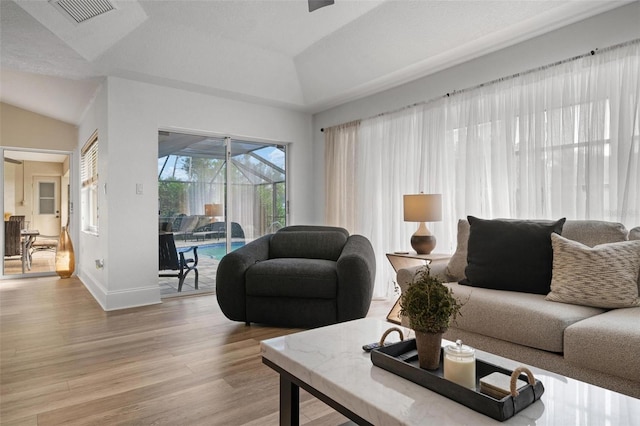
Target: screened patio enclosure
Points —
{"points": [[219, 191]]}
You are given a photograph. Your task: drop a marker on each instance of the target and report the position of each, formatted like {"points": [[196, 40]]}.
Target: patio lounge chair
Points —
{"points": [[184, 226], [174, 259], [218, 230]]}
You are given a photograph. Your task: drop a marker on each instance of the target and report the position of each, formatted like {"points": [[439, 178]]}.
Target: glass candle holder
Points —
{"points": [[460, 364]]}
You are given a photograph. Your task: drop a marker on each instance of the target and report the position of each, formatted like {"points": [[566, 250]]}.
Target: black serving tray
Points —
{"points": [[402, 359]]}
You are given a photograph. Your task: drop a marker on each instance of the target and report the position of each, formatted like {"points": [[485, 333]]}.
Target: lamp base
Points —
{"points": [[423, 244]]}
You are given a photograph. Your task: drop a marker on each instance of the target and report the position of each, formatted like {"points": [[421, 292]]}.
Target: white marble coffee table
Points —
{"points": [[329, 363]]}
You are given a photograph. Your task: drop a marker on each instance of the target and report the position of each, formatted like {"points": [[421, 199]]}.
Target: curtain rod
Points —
{"points": [[501, 79]]}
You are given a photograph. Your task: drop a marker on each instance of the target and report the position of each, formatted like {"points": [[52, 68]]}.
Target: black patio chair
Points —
{"points": [[174, 259]]}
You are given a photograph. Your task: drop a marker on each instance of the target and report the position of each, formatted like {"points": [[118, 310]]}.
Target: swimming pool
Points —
{"points": [[217, 250]]}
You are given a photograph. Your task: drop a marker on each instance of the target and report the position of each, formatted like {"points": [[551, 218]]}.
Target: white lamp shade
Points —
{"points": [[422, 207]]}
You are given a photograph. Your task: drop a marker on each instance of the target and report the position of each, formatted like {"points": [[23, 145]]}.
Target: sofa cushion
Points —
{"points": [[608, 342], [604, 276], [634, 233], [298, 278], [525, 319], [309, 245], [458, 262], [594, 232], [509, 254]]}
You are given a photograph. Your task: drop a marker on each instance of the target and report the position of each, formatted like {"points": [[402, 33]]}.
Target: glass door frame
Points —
{"points": [[229, 140], [66, 208]]}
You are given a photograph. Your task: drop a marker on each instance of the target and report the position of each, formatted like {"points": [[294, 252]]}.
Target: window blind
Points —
{"points": [[89, 162]]}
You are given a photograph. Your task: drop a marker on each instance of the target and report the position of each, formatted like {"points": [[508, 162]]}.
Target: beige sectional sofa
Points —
{"points": [[593, 344]]}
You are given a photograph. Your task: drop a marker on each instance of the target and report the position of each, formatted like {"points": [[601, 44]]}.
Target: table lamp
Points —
{"points": [[423, 208], [213, 210]]}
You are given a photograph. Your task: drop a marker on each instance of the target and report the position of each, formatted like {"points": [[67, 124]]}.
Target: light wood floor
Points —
{"points": [[63, 360], [41, 261]]}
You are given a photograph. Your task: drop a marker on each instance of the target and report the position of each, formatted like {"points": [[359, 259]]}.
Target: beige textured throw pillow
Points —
{"points": [[605, 276], [458, 262]]}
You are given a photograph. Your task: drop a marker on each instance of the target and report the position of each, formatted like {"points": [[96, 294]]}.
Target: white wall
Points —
{"points": [[25, 129], [128, 238], [613, 27], [92, 247]]}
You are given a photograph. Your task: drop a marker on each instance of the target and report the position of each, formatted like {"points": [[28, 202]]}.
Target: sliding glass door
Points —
{"points": [[217, 193]]}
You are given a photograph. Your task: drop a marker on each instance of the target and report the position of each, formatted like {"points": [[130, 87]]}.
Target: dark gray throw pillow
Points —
{"points": [[510, 254]]}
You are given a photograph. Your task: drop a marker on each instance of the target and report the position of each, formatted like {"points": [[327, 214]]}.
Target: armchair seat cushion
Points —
{"points": [[296, 278]]}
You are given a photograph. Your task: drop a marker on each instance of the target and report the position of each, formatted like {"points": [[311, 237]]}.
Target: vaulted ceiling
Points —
{"points": [[266, 51]]}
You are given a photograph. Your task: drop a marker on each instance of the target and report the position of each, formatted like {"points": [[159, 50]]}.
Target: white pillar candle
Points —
{"points": [[460, 365]]}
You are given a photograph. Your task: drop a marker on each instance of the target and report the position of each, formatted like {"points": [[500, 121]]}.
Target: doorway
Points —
{"points": [[36, 194], [217, 193]]}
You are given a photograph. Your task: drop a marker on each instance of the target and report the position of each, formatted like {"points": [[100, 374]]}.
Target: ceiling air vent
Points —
{"points": [[82, 10]]}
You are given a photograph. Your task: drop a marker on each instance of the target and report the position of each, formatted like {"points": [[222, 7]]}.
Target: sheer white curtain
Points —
{"points": [[340, 175], [579, 137], [562, 141], [394, 160]]}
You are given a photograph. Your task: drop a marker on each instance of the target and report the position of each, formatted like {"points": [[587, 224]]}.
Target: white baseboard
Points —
{"points": [[97, 291], [122, 299]]}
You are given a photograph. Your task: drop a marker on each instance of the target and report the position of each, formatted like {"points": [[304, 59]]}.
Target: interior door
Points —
{"points": [[46, 205]]}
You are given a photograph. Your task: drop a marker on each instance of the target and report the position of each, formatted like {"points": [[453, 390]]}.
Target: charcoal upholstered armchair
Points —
{"points": [[301, 276]]}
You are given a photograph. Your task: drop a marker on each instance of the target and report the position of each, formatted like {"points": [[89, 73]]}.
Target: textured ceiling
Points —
{"points": [[269, 51]]}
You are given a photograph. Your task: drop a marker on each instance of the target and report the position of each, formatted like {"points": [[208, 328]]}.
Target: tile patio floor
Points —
{"points": [[206, 281], [207, 268]]}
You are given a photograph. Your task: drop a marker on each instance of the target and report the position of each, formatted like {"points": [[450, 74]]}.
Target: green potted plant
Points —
{"points": [[431, 307]]}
